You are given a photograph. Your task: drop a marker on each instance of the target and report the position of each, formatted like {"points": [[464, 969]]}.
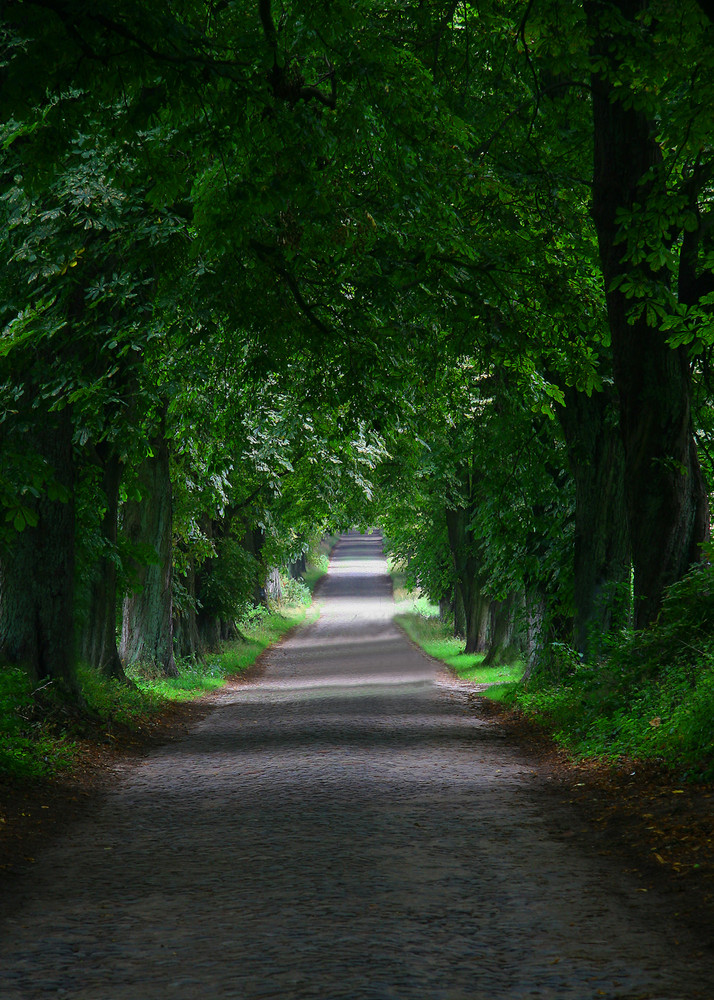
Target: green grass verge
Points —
{"points": [[648, 696], [263, 629], [30, 747], [420, 620], [39, 726]]}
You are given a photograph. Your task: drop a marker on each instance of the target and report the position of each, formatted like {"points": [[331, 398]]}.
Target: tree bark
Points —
{"points": [[500, 647], [147, 628], [187, 641], [273, 586], [535, 608], [476, 620], [469, 586], [253, 542], [298, 567], [666, 499], [446, 609], [37, 565], [98, 642], [602, 551], [459, 613]]}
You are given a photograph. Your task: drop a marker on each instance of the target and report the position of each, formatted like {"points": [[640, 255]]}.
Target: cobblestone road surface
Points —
{"points": [[345, 827]]}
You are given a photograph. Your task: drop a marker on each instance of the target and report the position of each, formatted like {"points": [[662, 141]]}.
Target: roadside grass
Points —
{"points": [[40, 726], [649, 696], [28, 746], [631, 707], [416, 616], [260, 630]]}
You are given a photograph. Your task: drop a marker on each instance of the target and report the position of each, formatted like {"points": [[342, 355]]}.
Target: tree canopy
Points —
{"points": [[275, 269]]}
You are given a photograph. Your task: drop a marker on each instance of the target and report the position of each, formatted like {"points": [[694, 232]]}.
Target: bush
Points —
{"points": [[28, 748], [295, 592], [652, 698]]}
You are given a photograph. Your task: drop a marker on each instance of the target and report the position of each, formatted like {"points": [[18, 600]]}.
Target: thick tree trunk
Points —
{"points": [[187, 642], [208, 621], [459, 613], [297, 568], [501, 648], [535, 608], [147, 629], [446, 609], [468, 582], [98, 637], [37, 566], [213, 621], [666, 499], [209, 632], [476, 619], [273, 586], [602, 551], [253, 542]]}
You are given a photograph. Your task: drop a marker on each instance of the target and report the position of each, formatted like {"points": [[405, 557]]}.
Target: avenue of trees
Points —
{"points": [[274, 269]]}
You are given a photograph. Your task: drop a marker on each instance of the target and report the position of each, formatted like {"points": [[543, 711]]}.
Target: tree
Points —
{"points": [[667, 504]]}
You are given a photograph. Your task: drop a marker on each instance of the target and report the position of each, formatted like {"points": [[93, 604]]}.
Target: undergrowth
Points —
{"points": [[650, 698], [420, 620], [40, 725]]}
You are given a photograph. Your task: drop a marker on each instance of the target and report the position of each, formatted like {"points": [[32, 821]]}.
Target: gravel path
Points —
{"points": [[345, 827]]}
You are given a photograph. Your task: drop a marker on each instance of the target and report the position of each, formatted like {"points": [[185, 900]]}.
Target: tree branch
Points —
{"points": [[272, 258]]}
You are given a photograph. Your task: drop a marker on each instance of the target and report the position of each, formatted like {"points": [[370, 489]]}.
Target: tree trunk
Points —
{"points": [[37, 565], [187, 641], [667, 508], [446, 610], [253, 542], [147, 629], [602, 552], [501, 649], [535, 608], [297, 568], [476, 619], [213, 618], [98, 637], [229, 631], [273, 587], [459, 613], [209, 632], [468, 581]]}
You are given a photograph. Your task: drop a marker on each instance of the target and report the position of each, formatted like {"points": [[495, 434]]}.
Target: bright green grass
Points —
{"points": [[38, 728], [420, 620], [315, 573], [260, 631]]}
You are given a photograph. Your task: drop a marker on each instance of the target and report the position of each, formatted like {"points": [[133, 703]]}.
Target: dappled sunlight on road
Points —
{"points": [[343, 826]]}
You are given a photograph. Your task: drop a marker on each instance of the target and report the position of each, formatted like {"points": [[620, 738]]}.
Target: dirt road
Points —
{"points": [[344, 827]]}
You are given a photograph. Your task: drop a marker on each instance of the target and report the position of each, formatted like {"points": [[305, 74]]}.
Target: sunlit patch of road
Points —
{"points": [[344, 827]]}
